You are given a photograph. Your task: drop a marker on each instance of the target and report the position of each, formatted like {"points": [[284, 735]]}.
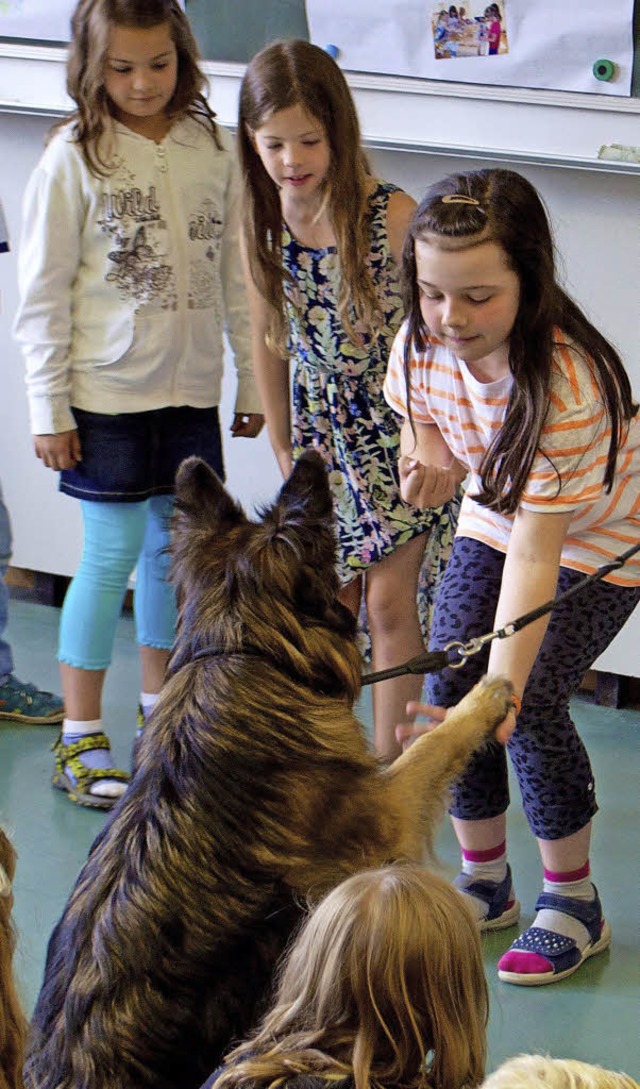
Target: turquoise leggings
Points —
{"points": [[117, 536]]}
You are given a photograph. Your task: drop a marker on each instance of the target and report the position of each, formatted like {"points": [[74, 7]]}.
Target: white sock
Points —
{"points": [[488, 866], [148, 701], [579, 888], [73, 730]]}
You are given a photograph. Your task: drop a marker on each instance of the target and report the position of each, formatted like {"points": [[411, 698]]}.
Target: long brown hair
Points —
{"points": [[296, 73], [506, 209], [13, 1025], [91, 23], [384, 984]]}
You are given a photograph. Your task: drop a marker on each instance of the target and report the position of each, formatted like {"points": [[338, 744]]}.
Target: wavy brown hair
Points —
{"points": [[384, 984], [508, 210], [91, 23], [13, 1025], [296, 73]]}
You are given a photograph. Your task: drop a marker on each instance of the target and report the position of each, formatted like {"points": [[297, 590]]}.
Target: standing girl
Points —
{"points": [[129, 273], [322, 240], [499, 374], [494, 20]]}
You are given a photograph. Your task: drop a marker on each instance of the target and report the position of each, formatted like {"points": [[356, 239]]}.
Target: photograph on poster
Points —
{"points": [[472, 31]]}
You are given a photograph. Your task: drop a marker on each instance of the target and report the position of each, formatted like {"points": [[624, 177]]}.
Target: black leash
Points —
{"points": [[455, 654]]}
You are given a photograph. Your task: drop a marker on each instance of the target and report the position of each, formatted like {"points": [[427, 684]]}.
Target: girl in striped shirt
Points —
{"points": [[502, 380]]}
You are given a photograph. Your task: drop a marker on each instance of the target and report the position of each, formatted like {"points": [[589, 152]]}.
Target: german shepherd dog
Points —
{"points": [[255, 791]]}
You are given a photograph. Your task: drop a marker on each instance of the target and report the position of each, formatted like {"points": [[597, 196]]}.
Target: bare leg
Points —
{"points": [[392, 614], [154, 666], [568, 854], [82, 692], [559, 855], [351, 595], [480, 835]]}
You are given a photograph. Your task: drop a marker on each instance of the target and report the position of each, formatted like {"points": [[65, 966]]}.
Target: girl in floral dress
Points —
{"points": [[322, 242]]}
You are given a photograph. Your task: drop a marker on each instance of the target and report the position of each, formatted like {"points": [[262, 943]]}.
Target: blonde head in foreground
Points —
{"points": [[536, 1071], [384, 983]]}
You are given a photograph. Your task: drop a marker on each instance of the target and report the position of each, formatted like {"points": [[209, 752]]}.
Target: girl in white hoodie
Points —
{"points": [[129, 276]]}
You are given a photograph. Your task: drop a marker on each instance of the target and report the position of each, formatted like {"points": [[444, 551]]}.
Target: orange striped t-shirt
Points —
{"points": [[574, 438]]}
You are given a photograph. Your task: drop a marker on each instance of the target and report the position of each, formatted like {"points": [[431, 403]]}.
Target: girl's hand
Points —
{"points": [[425, 485], [506, 727], [247, 425], [407, 732], [58, 451]]}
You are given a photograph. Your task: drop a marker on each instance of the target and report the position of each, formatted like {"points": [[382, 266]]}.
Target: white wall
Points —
{"points": [[596, 219]]}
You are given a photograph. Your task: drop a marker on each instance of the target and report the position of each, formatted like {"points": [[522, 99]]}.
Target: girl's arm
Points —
{"points": [[48, 259], [429, 473], [400, 210], [248, 418], [272, 377], [529, 579]]}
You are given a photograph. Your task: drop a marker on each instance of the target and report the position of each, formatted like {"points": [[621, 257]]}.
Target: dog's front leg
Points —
{"points": [[416, 783]]}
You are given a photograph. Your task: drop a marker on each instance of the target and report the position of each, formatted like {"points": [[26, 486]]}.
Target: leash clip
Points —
{"points": [[464, 651]]}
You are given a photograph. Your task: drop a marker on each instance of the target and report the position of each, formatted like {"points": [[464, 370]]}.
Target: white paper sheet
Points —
{"points": [[550, 44], [41, 20], [49, 20]]}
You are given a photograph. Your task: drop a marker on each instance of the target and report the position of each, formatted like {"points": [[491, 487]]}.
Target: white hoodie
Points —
{"points": [[128, 282]]}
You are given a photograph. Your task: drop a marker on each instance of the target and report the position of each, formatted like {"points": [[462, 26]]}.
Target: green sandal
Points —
{"points": [[78, 784]]}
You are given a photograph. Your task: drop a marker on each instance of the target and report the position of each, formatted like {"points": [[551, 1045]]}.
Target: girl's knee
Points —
{"points": [[389, 612]]}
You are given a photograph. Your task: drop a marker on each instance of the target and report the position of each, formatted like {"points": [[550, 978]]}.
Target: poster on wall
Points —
{"points": [[38, 20], [572, 45], [48, 20]]}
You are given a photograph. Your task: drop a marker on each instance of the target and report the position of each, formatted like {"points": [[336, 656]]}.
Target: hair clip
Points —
{"points": [[5, 884], [459, 198]]}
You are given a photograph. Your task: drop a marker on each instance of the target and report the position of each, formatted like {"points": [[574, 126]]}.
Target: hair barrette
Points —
{"points": [[5, 884], [459, 198]]}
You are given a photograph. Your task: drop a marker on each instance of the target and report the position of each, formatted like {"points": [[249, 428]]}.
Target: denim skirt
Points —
{"points": [[132, 456]]}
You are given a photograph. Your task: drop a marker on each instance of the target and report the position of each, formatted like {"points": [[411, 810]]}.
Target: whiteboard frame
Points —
{"points": [[543, 127]]}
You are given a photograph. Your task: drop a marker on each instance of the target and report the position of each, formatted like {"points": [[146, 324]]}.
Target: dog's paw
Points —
{"points": [[491, 699]]}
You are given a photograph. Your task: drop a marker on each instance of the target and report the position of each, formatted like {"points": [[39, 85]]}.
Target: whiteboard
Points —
{"points": [[509, 124], [48, 20], [565, 45], [38, 20]]}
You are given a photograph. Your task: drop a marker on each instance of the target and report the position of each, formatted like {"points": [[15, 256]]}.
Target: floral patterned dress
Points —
{"points": [[339, 408]]}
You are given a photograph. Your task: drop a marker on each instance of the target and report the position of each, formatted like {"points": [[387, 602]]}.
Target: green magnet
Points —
{"points": [[604, 70]]}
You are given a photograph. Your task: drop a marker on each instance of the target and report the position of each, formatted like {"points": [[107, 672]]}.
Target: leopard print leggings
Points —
{"points": [[548, 756]]}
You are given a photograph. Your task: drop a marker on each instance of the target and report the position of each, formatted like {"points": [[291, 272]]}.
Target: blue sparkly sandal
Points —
{"points": [[541, 956], [504, 909]]}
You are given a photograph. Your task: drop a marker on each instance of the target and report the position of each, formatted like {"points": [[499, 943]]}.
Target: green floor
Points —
{"points": [[594, 1016]]}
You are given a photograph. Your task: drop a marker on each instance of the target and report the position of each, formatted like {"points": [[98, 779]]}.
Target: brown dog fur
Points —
{"points": [[255, 791]]}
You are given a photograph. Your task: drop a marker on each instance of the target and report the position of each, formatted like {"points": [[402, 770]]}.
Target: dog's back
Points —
{"points": [[255, 789]]}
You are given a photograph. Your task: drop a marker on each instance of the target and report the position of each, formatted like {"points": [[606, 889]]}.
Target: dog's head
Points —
{"points": [[267, 586]]}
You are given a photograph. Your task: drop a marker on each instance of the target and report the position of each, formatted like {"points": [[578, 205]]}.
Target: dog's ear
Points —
{"points": [[202, 499], [307, 487]]}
